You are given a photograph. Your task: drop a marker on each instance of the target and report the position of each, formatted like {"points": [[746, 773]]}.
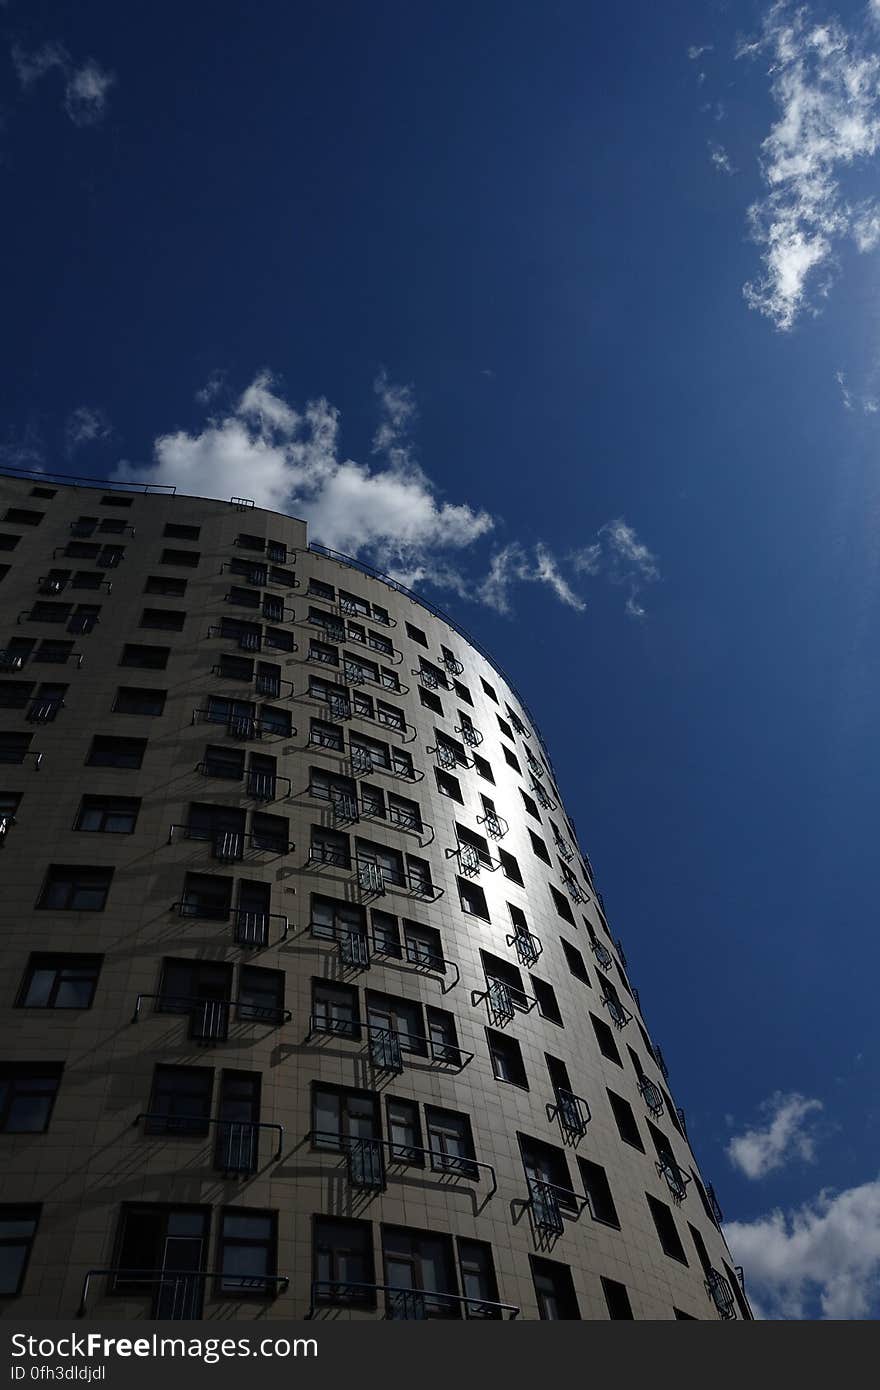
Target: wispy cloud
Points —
{"points": [[826, 86], [720, 158], [697, 50], [824, 1256], [866, 403], [86, 84], [787, 1134], [618, 553], [515, 564], [211, 389], [85, 425]]}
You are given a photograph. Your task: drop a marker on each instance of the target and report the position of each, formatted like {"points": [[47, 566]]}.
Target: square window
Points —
{"points": [[75, 888], [131, 699], [510, 758], [472, 899], [107, 751], [110, 814], [56, 981], [181, 533], [507, 1060], [172, 619], [27, 1096]]}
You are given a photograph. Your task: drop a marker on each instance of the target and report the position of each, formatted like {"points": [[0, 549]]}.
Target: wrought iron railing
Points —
{"points": [[209, 1018], [387, 1046], [676, 1178], [179, 1293], [404, 1304], [549, 1202], [620, 1016], [572, 1111], [231, 845], [496, 826], [368, 1164], [651, 1095], [528, 947], [503, 1000], [721, 1294], [237, 1142]]}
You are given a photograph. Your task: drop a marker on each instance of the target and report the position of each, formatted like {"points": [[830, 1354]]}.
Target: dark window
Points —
{"points": [[561, 905], [27, 1095], [107, 751], [404, 1131], [605, 1039], [341, 1116], [171, 619], [666, 1229], [529, 804], [418, 1264], [185, 558], [683, 1317], [54, 650], [200, 989], [131, 699], [554, 1290], [82, 550], [87, 579], [335, 1009], [14, 747], [322, 590], [617, 1299], [483, 768], [472, 899], [114, 814], [21, 516], [416, 634], [477, 1276], [47, 493], [626, 1121], [15, 694], [152, 1239], [53, 981], [112, 526], [448, 785], [462, 692], [206, 895], [546, 997], [388, 1014], [180, 1101], [342, 1262], [576, 963], [489, 690], [505, 727], [154, 658], [165, 584], [510, 758], [114, 500], [84, 618], [8, 542], [451, 1142], [507, 1060], [247, 1252], [539, 847], [181, 533], [261, 995], [332, 919], [598, 1189], [430, 700], [509, 867], [75, 888], [18, 1226]]}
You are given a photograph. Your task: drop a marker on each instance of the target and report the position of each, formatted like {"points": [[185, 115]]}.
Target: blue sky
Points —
{"points": [[570, 316]]}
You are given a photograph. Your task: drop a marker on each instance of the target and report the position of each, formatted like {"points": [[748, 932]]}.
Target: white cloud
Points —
{"points": [[84, 426], [787, 1134], [824, 1255], [622, 558], [827, 91], [85, 85], [720, 158], [212, 388], [398, 413], [697, 50], [288, 460], [515, 564]]}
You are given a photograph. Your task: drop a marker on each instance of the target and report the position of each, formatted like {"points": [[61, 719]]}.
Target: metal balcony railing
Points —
{"points": [[528, 947], [495, 826], [714, 1204], [18, 755], [236, 1145], [405, 1304], [448, 759], [676, 1178], [681, 1120], [368, 1164], [602, 954], [503, 1001], [43, 711], [620, 1016], [254, 929], [721, 1294], [243, 726], [651, 1095], [661, 1062], [10, 661], [209, 1018], [179, 1293], [387, 1046], [357, 949], [270, 686], [452, 665], [620, 951], [543, 795], [231, 845], [377, 644], [363, 764], [6, 824], [471, 736], [572, 1111], [575, 890], [431, 680], [471, 860], [548, 1202], [564, 848], [261, 576]]}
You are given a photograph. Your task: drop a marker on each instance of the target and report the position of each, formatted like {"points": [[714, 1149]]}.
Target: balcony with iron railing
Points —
{"points": [[365, 613], [44, 711], [179, 1294], [236, 1143], [251, 927], [452, 665], [209, 1019], [261, 576], [431, 680], [19, 755], [471, 736], [676, 1178], [243, 726], [358, 950], [447, 758], [230, 846], [572, 1112], [471, 860], [388, 1049], [503, 1001], [10, 661], [370, 1162], [714, 1204], [620, 1016], [602, 954], [271, 687], [651, 1095], [495, 826], [564, 848], [721, 1294], [402, 1304], [49, 586], [261, 786], [543, 796], [354, 674], [549, 1203], [527, 945]]}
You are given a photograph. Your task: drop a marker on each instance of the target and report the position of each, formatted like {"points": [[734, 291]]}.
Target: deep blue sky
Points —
{"points": [[513, 208]]}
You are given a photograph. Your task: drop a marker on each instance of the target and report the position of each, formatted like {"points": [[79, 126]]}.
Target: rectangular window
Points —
{"points": [[554, 1290], [489, 690], [107, 751], [430, 701], [174, 531], [667, 1231], [510, 867], [14, 747], [539, 847], [8, 542], [155, 1239], [165, 584], [45, 492], [416, 634], [261, 995], [472, 899], [321, 590], [335, 1009], [510, 758], [171, 619], [22, 516], [55, 981], [561, 905], [180, 1101], [53, 650], [404, 1131], [27, 1096], [341, 1117], [87, 579], [448, 785], [419, 1265], [342, 1262], [576, 963], [546, 997], [206, 895], [530, 805], [388, 1017], [75, 888], [605, 1039], [114, 500], [248, 1252], [131, 699], [617, 1299], [626, 1121], [598, 1189], [451, 1142], [507, 1059], [188, 559], [112, 814], [18, 1227]]}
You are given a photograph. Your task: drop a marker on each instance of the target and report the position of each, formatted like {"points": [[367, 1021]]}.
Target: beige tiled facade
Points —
{"points": [[99, 1164]]}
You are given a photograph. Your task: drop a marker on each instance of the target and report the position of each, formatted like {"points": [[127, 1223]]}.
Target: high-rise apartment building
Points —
{"points": [[310, 1005]]}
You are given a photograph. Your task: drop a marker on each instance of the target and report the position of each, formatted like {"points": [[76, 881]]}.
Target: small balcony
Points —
{"points": [[619, 1016], [676, 1178], [542, 795], [495, 826], [721, 1294], [368, 1161], [528, 947], [401, 1304], [564, 848], [714, 1204], [10, 661], [261, 786], [469, 735], [236, 1147], [6, 824], [389, 1049], [572, 1112], [251, 928], [431, 680], [661, 1062], [44, 711], [602, 954], [503, 1001], [471, 860], [180, 1294], [209, 1019], [651, 1095], [549, 1203], [271, 687], [245, 727], [452, 665], [230, 846], [358, 949]]}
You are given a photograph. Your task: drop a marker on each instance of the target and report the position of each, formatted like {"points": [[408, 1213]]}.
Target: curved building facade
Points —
{"points": [[310, 1003]]}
